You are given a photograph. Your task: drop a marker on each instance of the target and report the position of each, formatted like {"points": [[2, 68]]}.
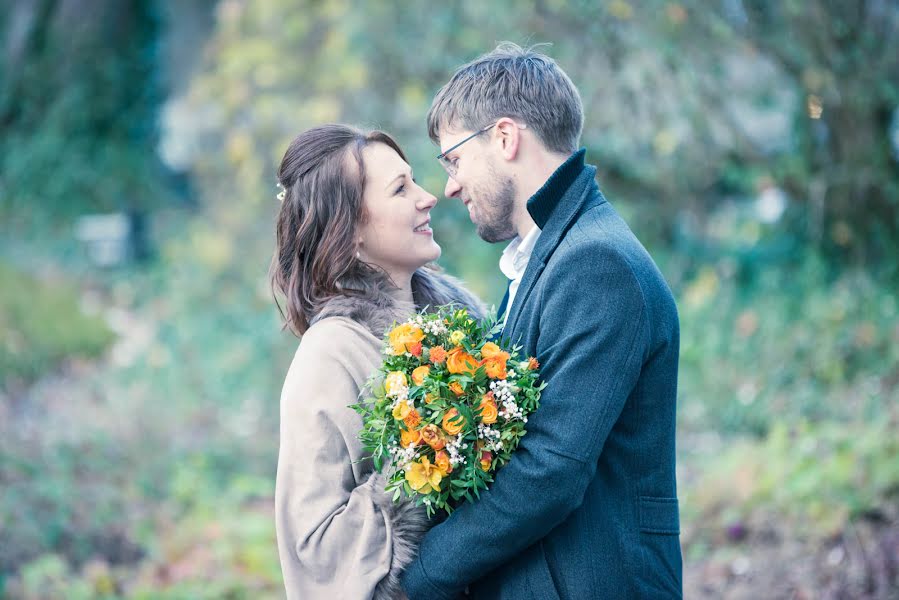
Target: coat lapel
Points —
{"points": [[554, 229]]}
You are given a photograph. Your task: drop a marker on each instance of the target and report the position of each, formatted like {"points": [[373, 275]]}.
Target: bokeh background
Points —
{"points": [[753, 146]]}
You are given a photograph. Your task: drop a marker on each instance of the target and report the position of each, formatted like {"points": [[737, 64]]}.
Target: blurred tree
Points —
{"points": [[839, 64], [78, 107], [686, 104]]}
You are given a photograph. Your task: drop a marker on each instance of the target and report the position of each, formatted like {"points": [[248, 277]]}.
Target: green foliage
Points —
{"points": [[789, 345], [41, 324], [815, 477], [78, 113]]}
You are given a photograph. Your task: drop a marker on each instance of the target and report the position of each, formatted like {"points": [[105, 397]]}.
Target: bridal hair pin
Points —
{"points": [[280, 195]]}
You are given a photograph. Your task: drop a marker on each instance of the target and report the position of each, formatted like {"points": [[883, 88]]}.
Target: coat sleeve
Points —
{"points": [[592, 336], [336, 537]]}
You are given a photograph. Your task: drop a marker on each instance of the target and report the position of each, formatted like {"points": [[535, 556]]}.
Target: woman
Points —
{"points": [[353, 242]]}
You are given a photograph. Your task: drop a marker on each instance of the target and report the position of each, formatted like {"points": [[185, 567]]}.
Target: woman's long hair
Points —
{"points": [[315, 253]]}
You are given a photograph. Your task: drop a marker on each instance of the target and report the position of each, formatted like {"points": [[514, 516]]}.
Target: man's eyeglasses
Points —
{"points": [[450, 165]]}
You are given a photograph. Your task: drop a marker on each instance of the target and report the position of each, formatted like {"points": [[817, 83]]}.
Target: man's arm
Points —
{"points": [[591, 343]]}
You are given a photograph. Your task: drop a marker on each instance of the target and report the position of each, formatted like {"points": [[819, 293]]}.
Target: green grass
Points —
{"points": [[41, 324]]}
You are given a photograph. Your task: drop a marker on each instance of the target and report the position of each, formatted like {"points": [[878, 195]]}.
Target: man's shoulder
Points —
{"points": [[600, 242]]}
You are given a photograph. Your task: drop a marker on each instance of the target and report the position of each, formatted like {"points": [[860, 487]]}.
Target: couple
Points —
{"points": [[587, 507]]}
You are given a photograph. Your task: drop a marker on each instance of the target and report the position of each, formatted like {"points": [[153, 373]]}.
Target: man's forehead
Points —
{"points": [[448, 136]]}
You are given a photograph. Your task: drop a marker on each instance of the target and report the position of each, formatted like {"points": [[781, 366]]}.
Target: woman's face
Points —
{"points": [[397, 235]]}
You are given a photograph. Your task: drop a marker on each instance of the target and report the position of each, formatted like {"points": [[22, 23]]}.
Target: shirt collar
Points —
{"points": [[515, 257]]}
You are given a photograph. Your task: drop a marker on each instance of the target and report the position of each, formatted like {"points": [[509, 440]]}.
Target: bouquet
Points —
{"points": [[446, 408]]}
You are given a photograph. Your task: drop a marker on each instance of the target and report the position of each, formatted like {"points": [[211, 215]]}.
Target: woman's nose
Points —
{"points": [[427, 200]]}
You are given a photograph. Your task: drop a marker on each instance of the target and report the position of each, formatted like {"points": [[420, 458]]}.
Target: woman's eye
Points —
{"points": [[400, 189]]}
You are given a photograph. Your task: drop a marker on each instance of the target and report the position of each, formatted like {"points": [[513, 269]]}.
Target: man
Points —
{"points": [[587, 507]]}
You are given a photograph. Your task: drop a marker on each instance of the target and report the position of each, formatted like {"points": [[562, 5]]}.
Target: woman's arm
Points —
{"points": [[334, 536]]}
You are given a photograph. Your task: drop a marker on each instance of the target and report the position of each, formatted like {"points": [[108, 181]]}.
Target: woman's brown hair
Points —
{"points": [[315, 253]]}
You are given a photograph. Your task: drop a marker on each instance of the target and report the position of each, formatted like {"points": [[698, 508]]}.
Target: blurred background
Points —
{"points": [[752, 146]]}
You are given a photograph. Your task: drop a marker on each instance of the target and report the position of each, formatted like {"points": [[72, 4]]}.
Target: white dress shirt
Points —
{"points": [[514, 261]]}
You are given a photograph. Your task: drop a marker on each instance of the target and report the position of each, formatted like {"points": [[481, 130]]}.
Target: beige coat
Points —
{"points": [[340, 536]]}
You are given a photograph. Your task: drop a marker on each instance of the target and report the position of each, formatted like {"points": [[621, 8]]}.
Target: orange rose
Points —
{"points": [[429, 398], [486, 460], [403, 336], [459, 361], [495, 367], [494, 360], [442, 461], [437, 354], [458, 422], [488, 410], [411, 437], [413, 419], [533, 365], [490, 349], [456, 388], [419, 374], [433, 437]]}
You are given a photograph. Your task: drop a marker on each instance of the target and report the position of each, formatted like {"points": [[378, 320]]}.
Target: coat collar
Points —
{"points": [[542, 204], [378, 309], [554, 208]]}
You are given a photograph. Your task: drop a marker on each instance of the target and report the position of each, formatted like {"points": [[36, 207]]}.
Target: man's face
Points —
{"points": [[488, 195]]}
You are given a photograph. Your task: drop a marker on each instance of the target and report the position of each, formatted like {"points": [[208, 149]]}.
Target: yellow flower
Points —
{"points": [[419, 374], [457, 336], [456, 388], [401, 410], [394, 382], [457, 423], [403, 337], [423, 476]]}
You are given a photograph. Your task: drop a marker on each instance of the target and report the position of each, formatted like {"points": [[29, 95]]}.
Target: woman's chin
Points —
{"points": [[429, 257]]}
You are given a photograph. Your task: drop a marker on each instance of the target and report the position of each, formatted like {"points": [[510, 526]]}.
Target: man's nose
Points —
{"points": [[452, 188]]}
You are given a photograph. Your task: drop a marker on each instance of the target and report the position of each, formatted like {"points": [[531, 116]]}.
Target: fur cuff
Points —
{"points": [[406, 524]]}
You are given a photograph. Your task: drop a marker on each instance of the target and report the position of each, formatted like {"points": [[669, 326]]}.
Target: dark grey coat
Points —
{"points": [[587, 507]]}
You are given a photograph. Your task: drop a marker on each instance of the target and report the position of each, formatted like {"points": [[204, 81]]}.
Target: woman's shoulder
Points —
{"points": [[335, 345], [336, 335]]}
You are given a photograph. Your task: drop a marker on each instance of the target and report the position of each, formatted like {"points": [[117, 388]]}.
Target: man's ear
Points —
{"points": [[508, 135]]}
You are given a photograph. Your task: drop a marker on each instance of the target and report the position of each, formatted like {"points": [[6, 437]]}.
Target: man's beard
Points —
{"points": [[495, 207]]}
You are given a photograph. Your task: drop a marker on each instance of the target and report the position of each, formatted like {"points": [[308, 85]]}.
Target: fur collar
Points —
{"points": [[430, 288]]}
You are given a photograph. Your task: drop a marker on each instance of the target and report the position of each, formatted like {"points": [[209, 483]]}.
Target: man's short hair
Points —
{"points": [[514, 82]]}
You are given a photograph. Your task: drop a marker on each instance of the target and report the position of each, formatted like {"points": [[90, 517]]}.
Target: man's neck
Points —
{"points": [[531, 179]]}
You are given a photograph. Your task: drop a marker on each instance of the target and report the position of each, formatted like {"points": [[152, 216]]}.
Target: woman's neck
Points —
{"points": [[401, 288]]}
